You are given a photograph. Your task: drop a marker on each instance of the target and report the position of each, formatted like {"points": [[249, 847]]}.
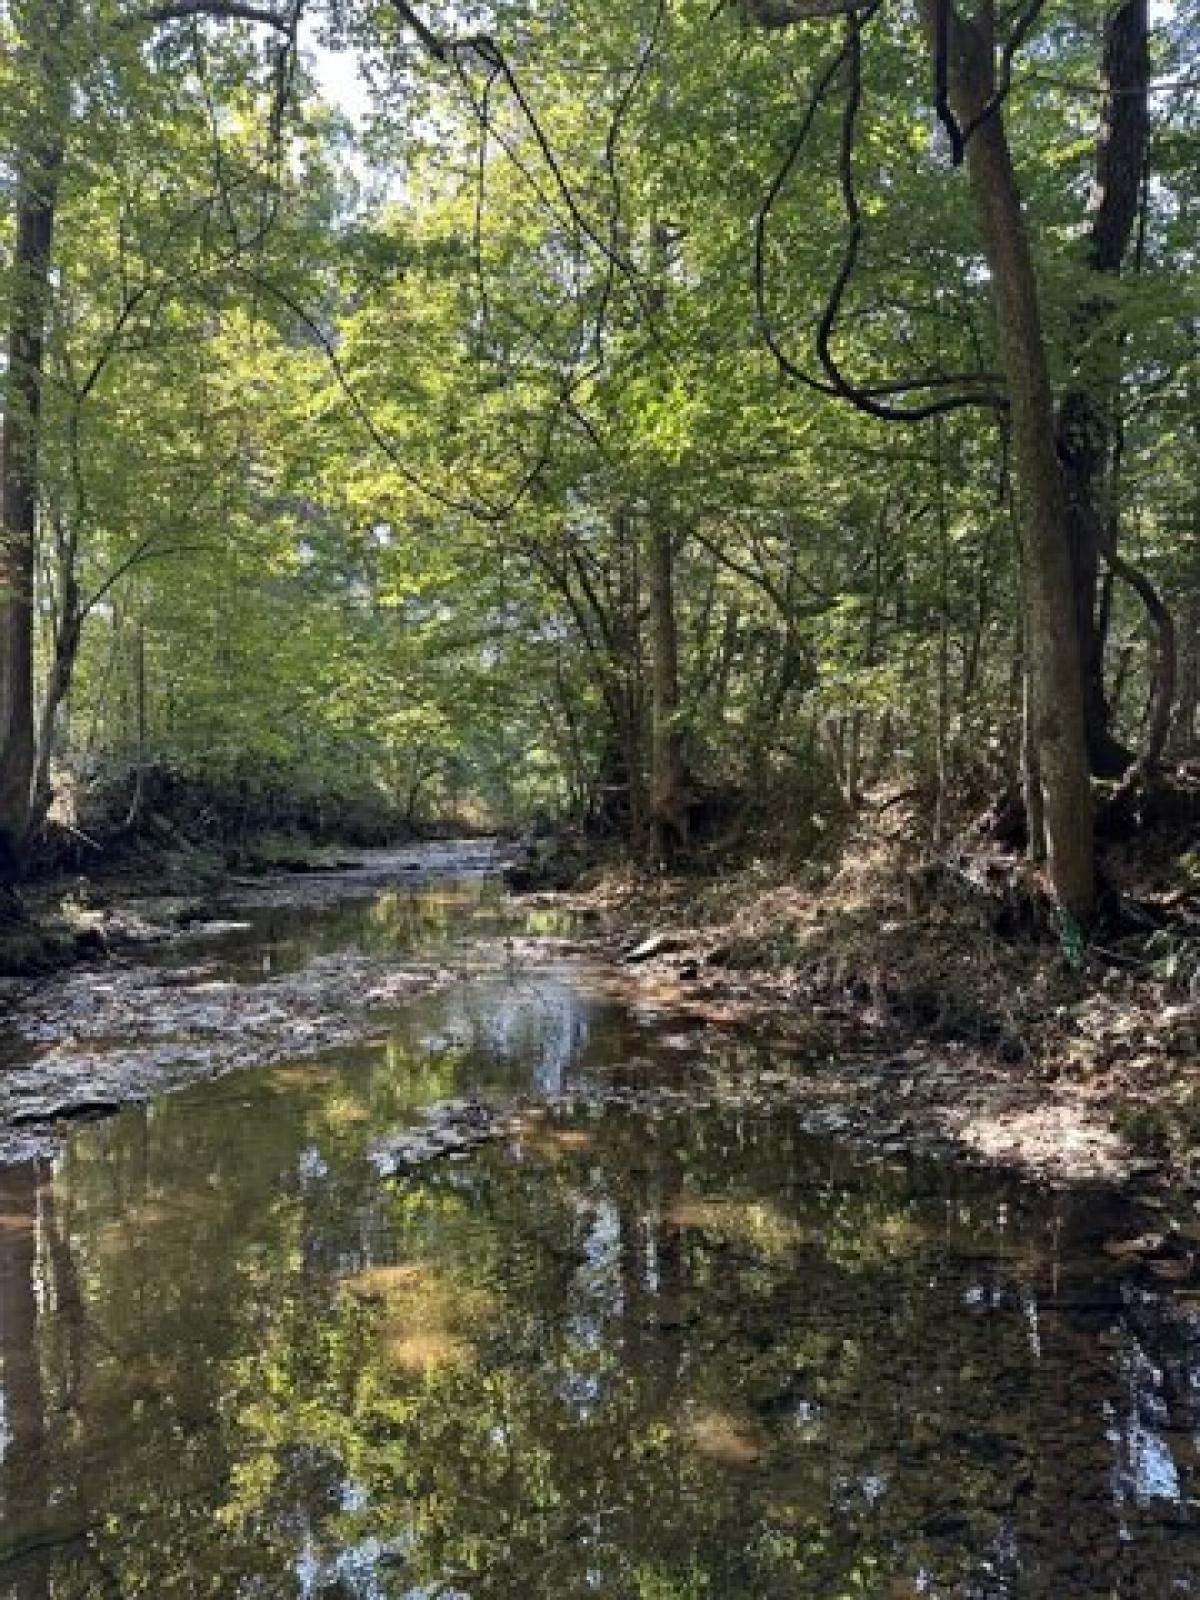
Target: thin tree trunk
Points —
{"points": [[67, 634], [973, 644], [139, 779], [1162, 697], [1184, 728], [1186, 731], [870, 656], [628, 671], [668, 787], [943, 657], [1035, 815]]}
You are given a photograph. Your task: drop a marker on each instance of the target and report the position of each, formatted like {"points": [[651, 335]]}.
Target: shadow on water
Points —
{"points": [[690, 1356]]}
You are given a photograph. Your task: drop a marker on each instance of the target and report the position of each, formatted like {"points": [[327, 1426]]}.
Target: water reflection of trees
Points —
{"points": [[627, 1358]]}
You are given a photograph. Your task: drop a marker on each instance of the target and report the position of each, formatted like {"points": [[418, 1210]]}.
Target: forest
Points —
{"points": [[600, 612], [586, 426]]}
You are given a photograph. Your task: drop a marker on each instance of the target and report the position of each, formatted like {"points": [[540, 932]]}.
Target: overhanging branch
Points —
{"points": [[219, 10], [958, 390], [786, 13]]}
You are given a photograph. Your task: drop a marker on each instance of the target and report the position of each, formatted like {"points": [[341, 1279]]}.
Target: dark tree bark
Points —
{"points": [[1051, 633], [39, 165], [1086, 421], [962, 52]]}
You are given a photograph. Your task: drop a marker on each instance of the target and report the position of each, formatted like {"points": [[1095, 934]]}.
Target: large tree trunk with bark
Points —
{"points": [[1051, 631], [38, 169], [965, 48]]}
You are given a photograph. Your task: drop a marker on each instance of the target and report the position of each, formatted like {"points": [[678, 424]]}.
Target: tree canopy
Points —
{"points": [[637, 415]]}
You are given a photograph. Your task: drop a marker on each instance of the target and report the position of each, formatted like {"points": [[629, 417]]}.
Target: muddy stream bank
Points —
{"points": [[459, 1264]]}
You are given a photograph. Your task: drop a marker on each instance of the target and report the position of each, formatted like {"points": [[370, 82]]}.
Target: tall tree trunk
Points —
{"points": [[1051, 631], [628, 673], [39, 164], [942, 738], [1051, 627], [1085, 432], [668, 786], [57, 687], [1185, 730]]}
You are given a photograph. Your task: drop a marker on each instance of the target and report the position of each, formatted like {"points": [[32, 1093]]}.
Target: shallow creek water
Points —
{"points": [[664, 1354]]}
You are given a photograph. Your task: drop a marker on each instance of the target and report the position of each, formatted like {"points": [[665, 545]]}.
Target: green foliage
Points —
{"points": [[354, 441]]}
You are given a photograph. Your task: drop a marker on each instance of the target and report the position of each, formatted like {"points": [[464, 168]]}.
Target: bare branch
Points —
{"points": [[862, 397], [616, 127], [1021, 30], [786, 13], [148, 550], [762, 221], [438, 48], [219, 10], [941, 80], [458, 51]]}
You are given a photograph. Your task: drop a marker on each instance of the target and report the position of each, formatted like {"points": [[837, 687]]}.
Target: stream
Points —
{"points": [[635, 1345]]}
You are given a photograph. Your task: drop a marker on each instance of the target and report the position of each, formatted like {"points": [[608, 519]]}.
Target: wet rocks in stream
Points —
{"points": [[101, 1038], [450, 1128], [890, 1109], [104, 1036]]}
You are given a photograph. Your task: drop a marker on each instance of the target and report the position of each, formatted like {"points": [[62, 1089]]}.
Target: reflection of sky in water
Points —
{"points": [[545, 1026], [649, 1239], [1156, 1474], [1002, 1566], [355, 1573], [873, 1486], [311, 1166], [597, 1285], [1145, 1467], [596, 1298], [580, 1391], [1029, 1304], [352, 1573], [867, 1487]]}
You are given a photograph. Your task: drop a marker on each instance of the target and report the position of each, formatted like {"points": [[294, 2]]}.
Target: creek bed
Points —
{"points": [[639, 1343]]}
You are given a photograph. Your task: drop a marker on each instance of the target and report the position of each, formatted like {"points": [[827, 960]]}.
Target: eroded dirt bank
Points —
{"points": [[933, 1030]]}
